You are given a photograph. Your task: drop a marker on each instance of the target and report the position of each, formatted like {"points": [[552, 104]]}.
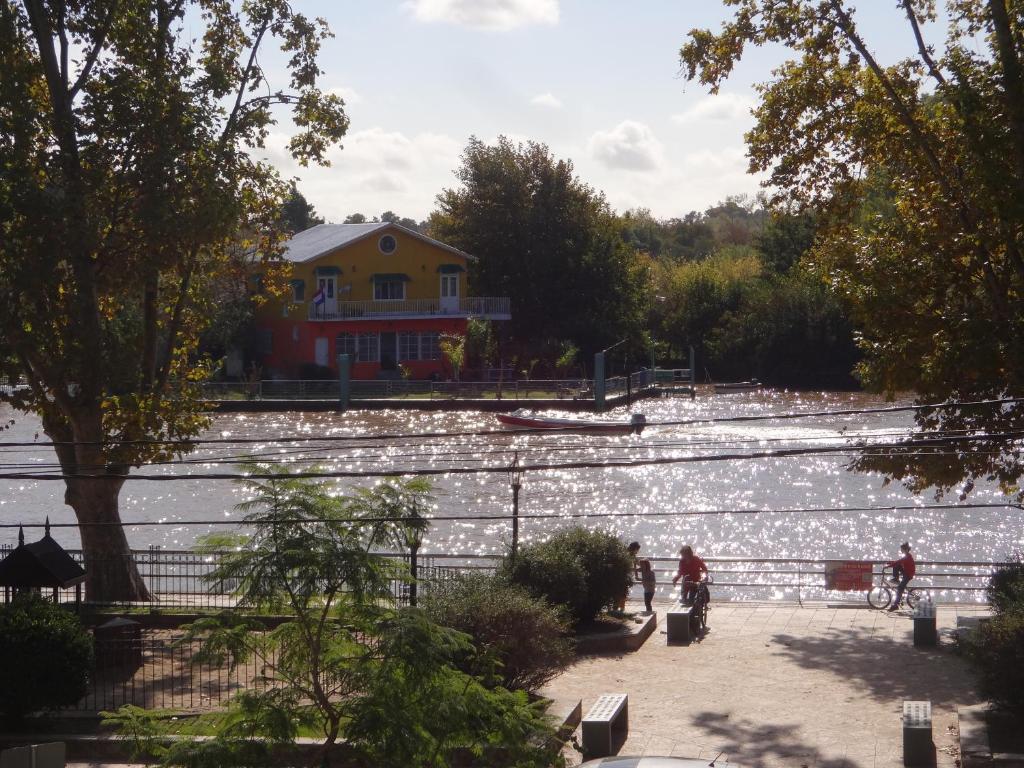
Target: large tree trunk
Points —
{"points": [[111, 574], [92, 490]]}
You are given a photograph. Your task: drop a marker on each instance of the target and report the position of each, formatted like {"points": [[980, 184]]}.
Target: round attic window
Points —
{"points": [[387, 244]]}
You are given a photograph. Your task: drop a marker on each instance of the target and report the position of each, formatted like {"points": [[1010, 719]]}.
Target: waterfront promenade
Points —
{"points": [[780, 685]]}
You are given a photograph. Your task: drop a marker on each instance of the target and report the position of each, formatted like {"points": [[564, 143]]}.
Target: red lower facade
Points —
{"points": [[294, 349]]}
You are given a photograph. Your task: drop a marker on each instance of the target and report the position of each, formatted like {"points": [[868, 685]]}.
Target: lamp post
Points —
{"points": [[413, 539], [515, 481]]}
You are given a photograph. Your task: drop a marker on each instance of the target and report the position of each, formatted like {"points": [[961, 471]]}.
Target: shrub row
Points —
{"points": [[997, 648]]}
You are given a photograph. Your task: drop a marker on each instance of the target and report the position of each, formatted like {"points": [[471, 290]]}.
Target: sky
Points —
{"points": [[598, 81]]}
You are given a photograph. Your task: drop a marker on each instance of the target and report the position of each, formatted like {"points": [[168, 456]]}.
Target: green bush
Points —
{"points": [[997, 650], [47, 657], [523, 633], [581, 569], [1006, 589]]}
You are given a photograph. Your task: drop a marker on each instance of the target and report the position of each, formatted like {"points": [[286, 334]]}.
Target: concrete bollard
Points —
{"points": [[918, 749], [925, 629]]}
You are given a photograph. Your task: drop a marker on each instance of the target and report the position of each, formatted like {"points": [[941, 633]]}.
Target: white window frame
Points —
{"points": [[346, 344], [368, 348], [408, 345], [430, 345], [391, 284]]}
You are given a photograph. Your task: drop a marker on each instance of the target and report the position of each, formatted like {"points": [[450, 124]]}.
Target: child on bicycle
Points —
{"points": [[903, 570], [690, 571]]}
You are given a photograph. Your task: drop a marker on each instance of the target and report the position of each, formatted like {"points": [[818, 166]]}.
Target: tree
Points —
{"points": [[934, 277], [537, 230], [347, 661], [403, 221], [127, 185], [355, 218], [297, 214]]}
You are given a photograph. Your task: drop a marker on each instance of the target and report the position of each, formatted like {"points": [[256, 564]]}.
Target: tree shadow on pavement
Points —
{"points": [[891, 669], [751, 745]]}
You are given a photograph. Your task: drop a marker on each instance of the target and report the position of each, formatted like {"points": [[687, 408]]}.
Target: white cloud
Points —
{"points": [[496, 15], [377, 170], [630, 146], [349, 95], [546, 100], [723, 106]]}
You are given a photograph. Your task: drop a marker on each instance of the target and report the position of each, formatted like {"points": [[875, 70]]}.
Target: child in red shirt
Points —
{"points": [[903, 570]]}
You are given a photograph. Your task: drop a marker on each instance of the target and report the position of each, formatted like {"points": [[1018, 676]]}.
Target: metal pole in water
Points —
{"points": [[599, 383], [344, 381], [515, 478]]}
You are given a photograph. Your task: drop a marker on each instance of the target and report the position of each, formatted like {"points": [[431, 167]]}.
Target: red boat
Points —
{"points": [[524, 420]]}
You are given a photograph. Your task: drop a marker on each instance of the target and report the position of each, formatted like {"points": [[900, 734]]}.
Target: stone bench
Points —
{"points": [[605, 725], [35, 756], [925, 627], [679, 623], [918, 748]]}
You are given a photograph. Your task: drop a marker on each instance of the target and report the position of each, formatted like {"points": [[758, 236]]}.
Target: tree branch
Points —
{"points": [[243, 84], [926, 56], [1013, 97], [93, 55], [174, 326]]}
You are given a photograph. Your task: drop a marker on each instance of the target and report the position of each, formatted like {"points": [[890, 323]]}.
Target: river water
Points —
{"points": [[706, 504]]}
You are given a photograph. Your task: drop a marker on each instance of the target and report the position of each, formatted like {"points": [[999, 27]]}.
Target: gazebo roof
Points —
{"points": [[43, 563]]}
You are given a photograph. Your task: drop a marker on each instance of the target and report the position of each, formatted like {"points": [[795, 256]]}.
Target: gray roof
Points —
{"points": [[42, 563], [324, 238]]}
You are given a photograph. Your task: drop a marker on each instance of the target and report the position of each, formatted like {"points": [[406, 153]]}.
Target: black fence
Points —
{"points": [[159, 671], [182, 579]]}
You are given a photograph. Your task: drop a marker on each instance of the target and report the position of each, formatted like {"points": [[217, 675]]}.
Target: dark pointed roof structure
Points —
{"points": [[43, 563]]}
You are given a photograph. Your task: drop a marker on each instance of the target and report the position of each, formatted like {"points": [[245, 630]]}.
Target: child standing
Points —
{"points": [[650, 583]]}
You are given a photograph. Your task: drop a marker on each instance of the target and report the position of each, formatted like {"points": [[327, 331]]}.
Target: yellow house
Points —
{"points": [[380, 292]]}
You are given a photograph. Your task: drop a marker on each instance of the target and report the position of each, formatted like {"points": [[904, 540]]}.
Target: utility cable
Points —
{"points": [[522, 516], [542, 467], [477, 433]]}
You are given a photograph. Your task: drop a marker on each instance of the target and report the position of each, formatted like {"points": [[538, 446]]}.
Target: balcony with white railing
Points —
{"points": [[488, 307]]}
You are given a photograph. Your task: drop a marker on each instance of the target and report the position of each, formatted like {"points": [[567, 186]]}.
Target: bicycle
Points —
{"points": [[701, 602], [881, 594]]}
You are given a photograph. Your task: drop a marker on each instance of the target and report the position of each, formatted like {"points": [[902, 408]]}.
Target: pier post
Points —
{"points": [[599, 388], [344, 381], [693, 375]]}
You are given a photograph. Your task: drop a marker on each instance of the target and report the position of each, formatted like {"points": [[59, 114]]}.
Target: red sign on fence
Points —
{"points": [[847, 575]]}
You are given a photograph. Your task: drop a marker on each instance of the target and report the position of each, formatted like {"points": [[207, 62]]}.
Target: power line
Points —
{"points": [[491, 432], [279, 455], [528, 516], [917, 445], [301, 455]]}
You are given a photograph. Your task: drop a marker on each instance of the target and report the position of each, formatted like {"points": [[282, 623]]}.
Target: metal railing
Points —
{"points": [[8, 385], [494, 307], [179, 578], [790, 579], [328, 389]]}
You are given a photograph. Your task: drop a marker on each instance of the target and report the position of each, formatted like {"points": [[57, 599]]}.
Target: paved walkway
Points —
{"points": [[781, 685]]}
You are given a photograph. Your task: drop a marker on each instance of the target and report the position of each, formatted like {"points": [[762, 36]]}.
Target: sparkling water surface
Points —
{"points": [[682, 503]]}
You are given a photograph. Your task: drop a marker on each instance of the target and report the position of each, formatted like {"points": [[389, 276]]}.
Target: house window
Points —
{"points": [[430, 348], [298, 290], [345, 344], [369, 348], [387, 244], [449, 286], [389, 289], [408, 345], [266, 342]]}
